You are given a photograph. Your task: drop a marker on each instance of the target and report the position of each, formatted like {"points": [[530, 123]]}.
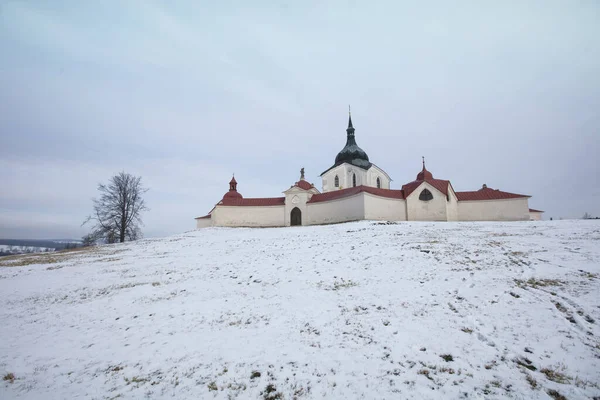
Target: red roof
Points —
{"points": [[232, 194], [439, 184], [255, 202], [424, 175], [342, 193], [302, 184], [204, 217], [487, 193], [532, 210]]}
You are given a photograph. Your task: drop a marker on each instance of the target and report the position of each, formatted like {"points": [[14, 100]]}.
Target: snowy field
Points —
{"points": [[358, 310]]}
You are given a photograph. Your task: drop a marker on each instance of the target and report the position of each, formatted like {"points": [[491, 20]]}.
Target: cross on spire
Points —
{"points": [[423, 157]]}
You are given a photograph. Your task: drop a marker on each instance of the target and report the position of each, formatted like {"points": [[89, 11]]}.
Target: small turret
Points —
{"points": [[233, 193]]}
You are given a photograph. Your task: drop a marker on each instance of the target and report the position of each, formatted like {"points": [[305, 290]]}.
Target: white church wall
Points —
{"points": [[431, 210], [296, 198], [328, 179], [494, 210], [269, 216], [342, 210], [535, 216], [345, 172], [203, 223], [375, 172], [451, 205], [361, 176], [384, 209]]}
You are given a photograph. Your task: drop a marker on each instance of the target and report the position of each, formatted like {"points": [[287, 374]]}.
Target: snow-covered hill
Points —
{"points": [[358, 310]]}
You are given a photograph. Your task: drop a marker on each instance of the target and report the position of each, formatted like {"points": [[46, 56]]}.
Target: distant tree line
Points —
{"points": [[588, 216], [26, 246]]}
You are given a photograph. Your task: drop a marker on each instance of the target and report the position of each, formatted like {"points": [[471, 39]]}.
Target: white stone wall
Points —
{"points": [[535, 216], [363, 177], [451, 205], [249, 216], [384, 209], [494, 210], [203, 223], [342, 210], [432, 210]]}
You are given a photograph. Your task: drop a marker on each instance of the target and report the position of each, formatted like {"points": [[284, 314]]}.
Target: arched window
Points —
{"points": [[378, 183], [336, 181], [425, 195], [353, 180]]}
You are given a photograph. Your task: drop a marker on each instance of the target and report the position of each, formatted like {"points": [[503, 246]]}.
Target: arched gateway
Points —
{"points": [[296, 217]]}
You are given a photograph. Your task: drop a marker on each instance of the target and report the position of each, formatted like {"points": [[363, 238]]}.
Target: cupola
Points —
{"points": [[233, 193], [424, 175]]}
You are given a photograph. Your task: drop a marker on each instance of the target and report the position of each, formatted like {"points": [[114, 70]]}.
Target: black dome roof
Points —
{"points": [[351, 153]]}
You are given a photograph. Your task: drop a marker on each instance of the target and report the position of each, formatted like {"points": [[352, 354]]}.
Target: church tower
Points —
{"points": [[352, 167]]}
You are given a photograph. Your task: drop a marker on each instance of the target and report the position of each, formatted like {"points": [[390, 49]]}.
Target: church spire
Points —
{"points": [[350, 129]]}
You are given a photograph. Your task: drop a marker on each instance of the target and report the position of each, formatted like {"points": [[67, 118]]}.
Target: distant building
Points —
{"points": [[354, 189], [535, 215]]}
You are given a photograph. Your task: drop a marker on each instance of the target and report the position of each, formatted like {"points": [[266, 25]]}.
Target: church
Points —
{"points": [[354, 189]]}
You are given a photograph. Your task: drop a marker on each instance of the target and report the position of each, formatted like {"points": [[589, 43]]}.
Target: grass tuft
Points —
{"points": [[525, 363], [271, 393], [532, 382], [556, 376], [255, 374], [556, 395]]}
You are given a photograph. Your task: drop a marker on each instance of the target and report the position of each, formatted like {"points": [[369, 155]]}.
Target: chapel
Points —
{"points": [[354, 189]]}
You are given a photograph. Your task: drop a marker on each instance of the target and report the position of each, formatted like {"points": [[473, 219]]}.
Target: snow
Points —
{"points": [[357, 310]]}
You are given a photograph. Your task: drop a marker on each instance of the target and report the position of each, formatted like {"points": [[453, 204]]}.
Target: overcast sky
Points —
{"points": [[184, 93]]}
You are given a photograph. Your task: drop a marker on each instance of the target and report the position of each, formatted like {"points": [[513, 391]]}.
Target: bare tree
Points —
{"points": [[88, 240], [587, 216], [117, 213]]}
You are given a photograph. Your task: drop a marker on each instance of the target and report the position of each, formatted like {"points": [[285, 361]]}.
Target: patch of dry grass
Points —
{"points": [[535, 283], [532, 382], [556, 395], [556, 376]]}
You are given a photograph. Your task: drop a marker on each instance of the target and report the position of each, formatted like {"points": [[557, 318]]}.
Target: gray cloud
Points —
{"points": [[505, 94]]}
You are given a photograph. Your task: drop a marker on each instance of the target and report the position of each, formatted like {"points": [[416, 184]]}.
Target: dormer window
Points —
{"points": [[425, 195], [354, 180], [378, 183], [336, 181]]}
